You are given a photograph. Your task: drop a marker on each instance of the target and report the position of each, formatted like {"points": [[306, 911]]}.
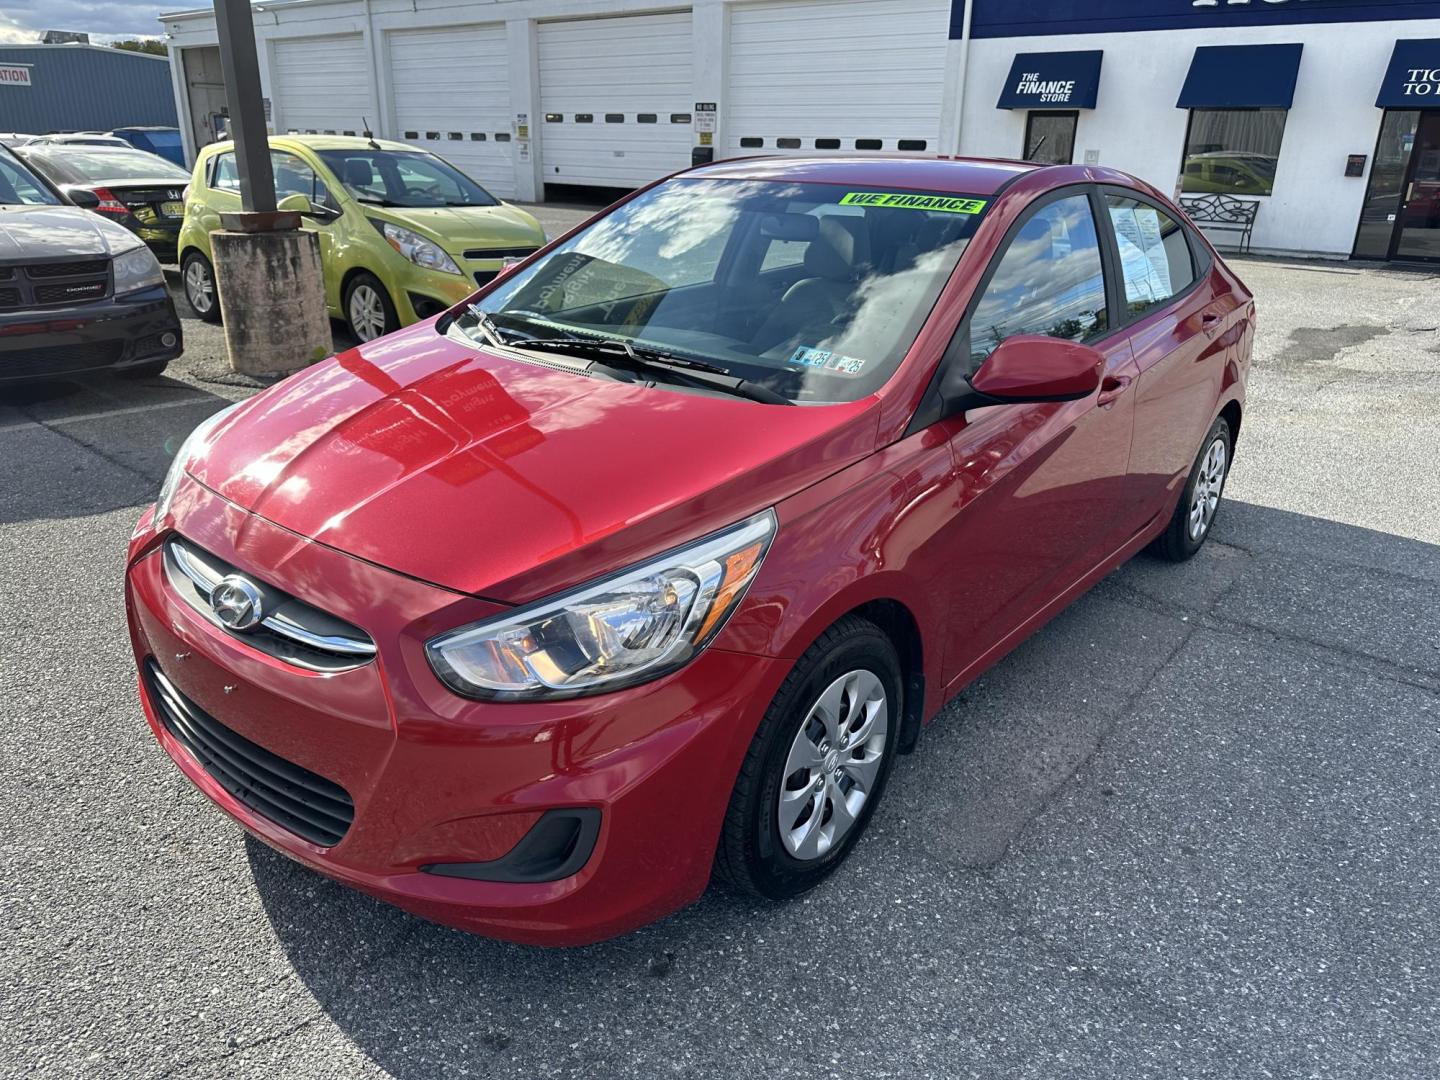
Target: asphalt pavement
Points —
{"points": [[1188, 830]]}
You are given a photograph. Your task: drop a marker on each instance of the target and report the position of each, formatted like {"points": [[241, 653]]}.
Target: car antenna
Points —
{"points": [[369, 134]]}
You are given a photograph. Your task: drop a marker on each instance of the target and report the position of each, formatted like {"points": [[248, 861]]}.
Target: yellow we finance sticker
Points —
{"points": [[909, 200]]}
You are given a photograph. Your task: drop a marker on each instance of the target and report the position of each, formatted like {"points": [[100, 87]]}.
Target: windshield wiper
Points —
{"points": [[486, 325], [625, 356]]}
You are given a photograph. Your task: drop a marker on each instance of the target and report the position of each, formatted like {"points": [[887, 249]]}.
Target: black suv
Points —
{"points": [[77, 293]]}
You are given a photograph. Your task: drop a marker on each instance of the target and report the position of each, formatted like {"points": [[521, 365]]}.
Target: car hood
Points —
{"points": [[506, 479], [43, 232], [457, 228]]}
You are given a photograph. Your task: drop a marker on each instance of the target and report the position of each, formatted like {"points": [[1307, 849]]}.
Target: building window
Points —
{"points": [[614, 117], [645, 118], [912, 144], [827, 144], [1232, 151], [788, 144], [868, 144], [752, 142], [584, 118], [1050, 137]]}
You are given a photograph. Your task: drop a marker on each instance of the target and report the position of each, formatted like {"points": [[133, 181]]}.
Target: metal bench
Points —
{"points": [[1224, 212]]}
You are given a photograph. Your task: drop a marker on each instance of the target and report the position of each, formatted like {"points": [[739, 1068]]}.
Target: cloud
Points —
{"points": [[105, 20]]}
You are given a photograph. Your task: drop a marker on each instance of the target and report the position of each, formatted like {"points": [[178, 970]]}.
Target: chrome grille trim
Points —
{"points": [[205, 579]]}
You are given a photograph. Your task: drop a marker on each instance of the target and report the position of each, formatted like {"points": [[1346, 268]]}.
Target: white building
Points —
{"points": [[1334, 129]]}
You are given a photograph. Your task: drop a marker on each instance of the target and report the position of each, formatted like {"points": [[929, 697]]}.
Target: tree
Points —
{"points": [[153, 46]]}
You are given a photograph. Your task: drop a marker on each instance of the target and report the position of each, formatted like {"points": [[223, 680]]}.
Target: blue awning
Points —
{"points": [[1241, 77], [1056, 80], [1413, 79]]}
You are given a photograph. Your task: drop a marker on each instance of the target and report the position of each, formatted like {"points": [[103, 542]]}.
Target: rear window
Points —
{"points": [[84, 163]]}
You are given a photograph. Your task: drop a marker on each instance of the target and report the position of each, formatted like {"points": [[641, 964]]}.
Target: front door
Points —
{"points": [[1043, 490], [1401, 215], [1417, 232]]}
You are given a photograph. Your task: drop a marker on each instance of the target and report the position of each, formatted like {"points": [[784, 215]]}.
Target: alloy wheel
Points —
{"points": [[1208, 484], [367, 313], [199, 286], [833, 765]]}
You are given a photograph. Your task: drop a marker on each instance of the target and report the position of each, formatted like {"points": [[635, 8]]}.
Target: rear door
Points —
{"points": [[1183, 323]]}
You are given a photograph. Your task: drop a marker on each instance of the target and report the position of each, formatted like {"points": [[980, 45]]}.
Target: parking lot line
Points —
{"points": [[104, 414]]}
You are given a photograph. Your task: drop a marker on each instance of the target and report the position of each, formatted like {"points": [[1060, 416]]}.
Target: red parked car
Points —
{"points": [[651, 559]]}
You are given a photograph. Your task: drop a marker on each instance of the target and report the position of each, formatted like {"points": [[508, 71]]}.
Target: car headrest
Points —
{"points": [[357, 172], [1035, 231], [841, 250]]}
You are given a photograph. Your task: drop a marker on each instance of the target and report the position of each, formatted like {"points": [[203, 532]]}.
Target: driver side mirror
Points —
{"points": [[84, 198], [1029, 368], [295, 204]]}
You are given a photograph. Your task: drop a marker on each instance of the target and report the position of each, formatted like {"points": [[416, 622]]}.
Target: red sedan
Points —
{"points": [[531, 617]]}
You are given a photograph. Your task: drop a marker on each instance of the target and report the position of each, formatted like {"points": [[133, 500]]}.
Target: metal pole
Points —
{"points": [[241, 68], [964, 74]]}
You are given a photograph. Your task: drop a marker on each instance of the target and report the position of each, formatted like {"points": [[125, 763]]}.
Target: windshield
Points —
{"points": [[19, 187], [404, 178], [80, 163], [815, 291]]}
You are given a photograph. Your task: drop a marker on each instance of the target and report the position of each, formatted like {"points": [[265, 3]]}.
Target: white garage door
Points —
{"points": [[810, 76], [616, 97], [322, 85], [451, 90]]}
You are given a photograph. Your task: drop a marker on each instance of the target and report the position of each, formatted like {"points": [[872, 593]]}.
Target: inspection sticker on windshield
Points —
{"points": [[829, 361], [909, 200]]}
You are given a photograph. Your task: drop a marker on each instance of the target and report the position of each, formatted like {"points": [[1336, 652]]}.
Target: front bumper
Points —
{"points": [[439, 780], [54, 342]]}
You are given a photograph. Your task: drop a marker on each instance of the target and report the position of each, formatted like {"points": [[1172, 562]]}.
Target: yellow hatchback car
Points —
{"points": [[403, 234]]}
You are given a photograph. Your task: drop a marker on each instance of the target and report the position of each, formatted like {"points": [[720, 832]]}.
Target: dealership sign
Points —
{"points": [[1039, 18], [1047, 80], [14, 74]]}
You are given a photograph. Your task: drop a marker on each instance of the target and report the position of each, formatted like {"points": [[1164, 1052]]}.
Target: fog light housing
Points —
{"points": [[168, 339], [557, 846]]}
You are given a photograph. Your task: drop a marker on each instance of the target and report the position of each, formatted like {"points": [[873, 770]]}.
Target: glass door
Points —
{"points": [[1417, 234], [1381, 210]]}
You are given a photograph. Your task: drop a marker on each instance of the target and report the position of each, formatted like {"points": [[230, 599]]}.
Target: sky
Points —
{"points": [[104, 20]]}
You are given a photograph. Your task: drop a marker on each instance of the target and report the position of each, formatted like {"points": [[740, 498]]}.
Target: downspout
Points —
{"points": [[964, 73]]}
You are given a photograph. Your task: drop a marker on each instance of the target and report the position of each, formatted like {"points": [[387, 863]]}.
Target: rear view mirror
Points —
{"points": [[789, 227], [1032, 367]]}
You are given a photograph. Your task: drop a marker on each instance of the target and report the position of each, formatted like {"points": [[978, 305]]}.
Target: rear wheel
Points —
{"points": [[198, 277], [817, 766], [368, 309], [1200, 501]]}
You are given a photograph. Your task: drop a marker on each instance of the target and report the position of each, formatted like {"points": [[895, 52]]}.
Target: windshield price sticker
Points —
{"points": [[943, 204]]}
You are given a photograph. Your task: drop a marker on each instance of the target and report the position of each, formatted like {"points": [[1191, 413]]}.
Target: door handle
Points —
{"points": [[1111, 387], [1210, 323]]}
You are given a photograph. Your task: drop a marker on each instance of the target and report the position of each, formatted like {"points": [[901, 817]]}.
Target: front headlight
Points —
{"points": [[629, 628], [182, 456], [137, 269], [417, 249]]}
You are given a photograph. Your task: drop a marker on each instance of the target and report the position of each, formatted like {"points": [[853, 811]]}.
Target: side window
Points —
{"points": [[1050, 280], [223, 174], [1154, 254], [294, 177]]}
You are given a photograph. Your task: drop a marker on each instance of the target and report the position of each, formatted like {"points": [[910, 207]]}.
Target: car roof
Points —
{"points": [[959, 176], [323, 142]]}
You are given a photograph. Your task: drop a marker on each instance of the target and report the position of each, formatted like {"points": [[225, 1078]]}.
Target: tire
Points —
{"points": [[144, 371], [759, 855], [1191, 523], [368, 310], [197, 277]]}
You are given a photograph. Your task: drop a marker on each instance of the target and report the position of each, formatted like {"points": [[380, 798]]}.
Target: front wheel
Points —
{"points": [[368, 309], [1200, 501], [198, 277], [817, 766]]}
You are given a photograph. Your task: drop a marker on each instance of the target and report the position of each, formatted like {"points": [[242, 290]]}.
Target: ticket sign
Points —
{"points": [[1412, 81]]}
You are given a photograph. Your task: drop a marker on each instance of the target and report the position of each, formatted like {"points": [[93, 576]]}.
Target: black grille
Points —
{"points": [[500, 253], [55, 284], [60, 359], [70, 291], [313, 808], [66, 269]]}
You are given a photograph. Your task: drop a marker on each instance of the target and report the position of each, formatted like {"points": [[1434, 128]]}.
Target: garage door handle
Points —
{"points": [[1111, 387]]}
